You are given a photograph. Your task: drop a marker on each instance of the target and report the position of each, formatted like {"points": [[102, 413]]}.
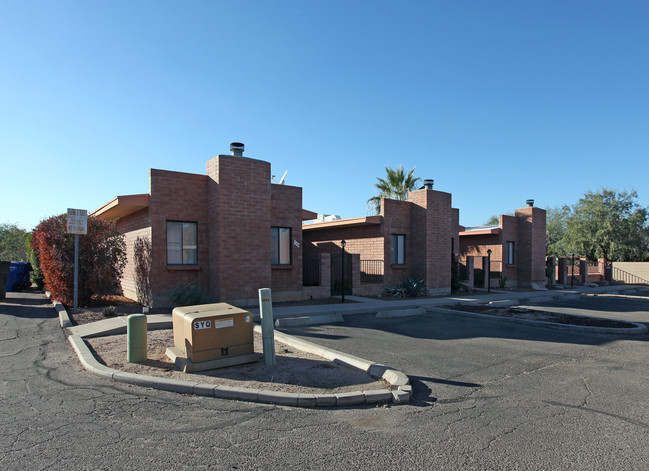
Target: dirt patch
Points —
{"points": [[105, 307], [295, 371], [545, 316]]}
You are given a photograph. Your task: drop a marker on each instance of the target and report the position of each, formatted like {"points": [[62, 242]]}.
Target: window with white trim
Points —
{"points": [[182, 243]]}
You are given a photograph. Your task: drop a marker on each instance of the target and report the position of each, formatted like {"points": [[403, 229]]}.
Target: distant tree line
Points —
{"points": [[604, 224]]}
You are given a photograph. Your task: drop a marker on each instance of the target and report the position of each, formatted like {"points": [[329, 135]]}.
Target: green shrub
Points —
{"points": [[186, 294], [109, 311], [409, 287], [503, 282], [36, 274]]}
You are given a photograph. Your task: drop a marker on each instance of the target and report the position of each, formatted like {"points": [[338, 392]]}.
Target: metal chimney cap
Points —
{"points": [[428, 184], [237, 148], [530, 203]]}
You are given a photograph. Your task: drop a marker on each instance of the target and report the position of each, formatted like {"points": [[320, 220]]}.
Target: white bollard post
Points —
{"points": [[267, 325]]}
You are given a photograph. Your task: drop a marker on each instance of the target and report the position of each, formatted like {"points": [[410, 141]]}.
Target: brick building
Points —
{"points": [[517, 247], [229, 233], [415, 237]]}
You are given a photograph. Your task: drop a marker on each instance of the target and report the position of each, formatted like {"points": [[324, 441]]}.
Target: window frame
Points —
{"points": [[279, 246], [395, 253], [184, 245], [510, 250]]}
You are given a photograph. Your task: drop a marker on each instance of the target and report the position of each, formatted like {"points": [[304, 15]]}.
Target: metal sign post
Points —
{"points": [[267, 326], [77, 224]]}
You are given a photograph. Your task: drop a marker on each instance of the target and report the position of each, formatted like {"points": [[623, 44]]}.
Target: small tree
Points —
{"points": [[12, 243], [36, 274], [558, 243], [395, 185], [142, 257], [495, 219], [102, 257]]}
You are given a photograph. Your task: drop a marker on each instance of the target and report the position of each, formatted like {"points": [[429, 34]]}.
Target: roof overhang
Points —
{"points": [[365, 221], [308, 215], [495, 230], [122, 206]]}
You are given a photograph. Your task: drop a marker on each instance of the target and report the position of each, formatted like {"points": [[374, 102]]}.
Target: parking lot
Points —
{"points": [[488, 395]]}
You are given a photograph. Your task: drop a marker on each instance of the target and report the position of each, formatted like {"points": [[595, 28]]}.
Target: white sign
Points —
{"points": [[77, 221], [225, 323], [198, 325]]}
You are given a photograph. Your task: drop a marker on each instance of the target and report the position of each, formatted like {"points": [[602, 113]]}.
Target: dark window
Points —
{"points": [[510, 253], [182, 243], [398, 249], [280, 245]]}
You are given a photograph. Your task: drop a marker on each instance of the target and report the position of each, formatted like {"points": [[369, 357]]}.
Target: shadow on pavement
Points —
{"points": [[443, 326], [29, 303]]}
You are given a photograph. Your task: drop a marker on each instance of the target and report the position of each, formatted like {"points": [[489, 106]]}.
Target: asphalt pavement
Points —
{"points": [[487, 395]]}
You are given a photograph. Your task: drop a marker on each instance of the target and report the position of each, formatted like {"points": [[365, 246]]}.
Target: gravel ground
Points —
{"points": [[295, 370]]}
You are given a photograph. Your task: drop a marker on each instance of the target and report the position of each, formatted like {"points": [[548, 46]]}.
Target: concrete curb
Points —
{"points": [[396, 378], [309, 320], [639, 328]]}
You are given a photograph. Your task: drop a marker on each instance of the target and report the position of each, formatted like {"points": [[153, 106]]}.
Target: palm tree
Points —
{"points": [[395, 186]]}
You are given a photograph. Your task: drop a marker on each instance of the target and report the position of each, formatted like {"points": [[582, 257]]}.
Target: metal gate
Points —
{"points": [[337, 281]]}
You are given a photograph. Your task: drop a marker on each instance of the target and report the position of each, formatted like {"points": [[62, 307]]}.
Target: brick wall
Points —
{"points": [[531, 239], [397, 219], [132, 226], [240, 220], [324, 290], [367, 241], [509, 233], [433, 227], [177, 196], [286, 211]]}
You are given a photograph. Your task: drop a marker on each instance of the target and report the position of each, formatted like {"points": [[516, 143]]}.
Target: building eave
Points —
{"points": [[480, 232], [308, 215], [122, 206], [353, 222]]}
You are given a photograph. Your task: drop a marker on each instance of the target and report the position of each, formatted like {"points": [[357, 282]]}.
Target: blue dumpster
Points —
{"points": [[4, 271], [18, 276]]}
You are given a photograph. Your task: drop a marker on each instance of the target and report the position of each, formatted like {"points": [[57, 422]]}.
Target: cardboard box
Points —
{"points": [[212, 331]]}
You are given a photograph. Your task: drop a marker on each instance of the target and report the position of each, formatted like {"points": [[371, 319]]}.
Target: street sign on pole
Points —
{"points": [[77, 221], [77, 224]]}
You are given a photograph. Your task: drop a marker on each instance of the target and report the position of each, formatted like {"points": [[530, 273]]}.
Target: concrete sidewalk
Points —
{"points": [[330, 313]]}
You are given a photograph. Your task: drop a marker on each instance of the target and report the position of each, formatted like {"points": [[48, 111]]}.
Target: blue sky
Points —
{"points": [[497, 101]]}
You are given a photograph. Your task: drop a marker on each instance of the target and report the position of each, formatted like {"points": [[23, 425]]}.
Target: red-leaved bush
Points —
{"points": [[102, 257]]}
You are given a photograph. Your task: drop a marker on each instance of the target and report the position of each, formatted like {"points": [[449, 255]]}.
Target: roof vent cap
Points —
{"points": [[428, 184], [530, 203], [237, 148]]}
